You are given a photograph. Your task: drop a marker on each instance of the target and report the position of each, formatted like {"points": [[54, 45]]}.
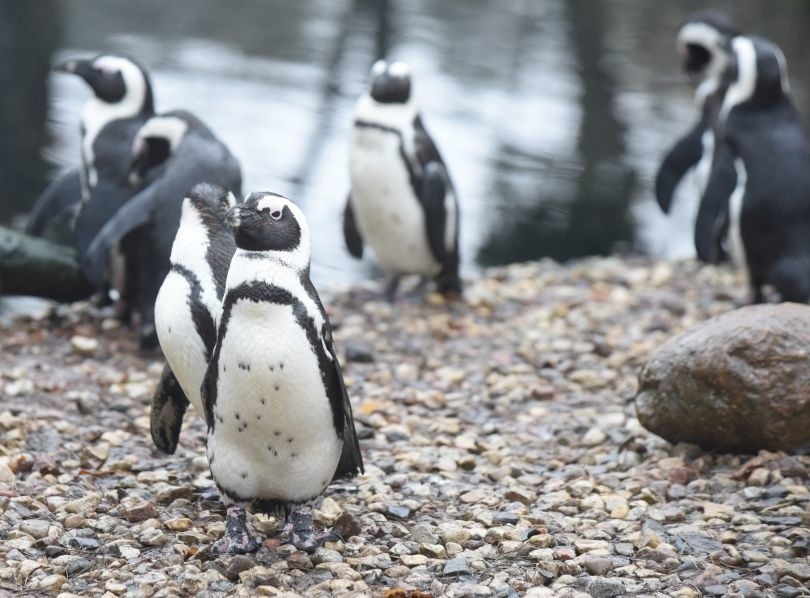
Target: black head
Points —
{"points": [[269, 222], [114, 80], [155, 142], [703, 41], [757, 73], [211, 200], [391, 83]]}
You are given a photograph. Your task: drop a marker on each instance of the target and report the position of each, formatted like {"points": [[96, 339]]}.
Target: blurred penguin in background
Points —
{"points": [[175, 151], [402, 202], [703, 45], [769, 210]]}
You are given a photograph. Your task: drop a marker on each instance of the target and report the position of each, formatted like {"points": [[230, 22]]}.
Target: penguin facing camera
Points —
{"points": [[769, 210], [187, 308], [184, 152], [703, 47], [402, 202], [280, 424]]}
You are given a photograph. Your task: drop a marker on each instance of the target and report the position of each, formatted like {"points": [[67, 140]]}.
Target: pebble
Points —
{"points": [[456, 566], [84, 346]]}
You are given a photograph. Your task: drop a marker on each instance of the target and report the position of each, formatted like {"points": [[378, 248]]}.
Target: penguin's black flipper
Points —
{"points": [[712, 218], [61, 194], [434, 188], [169, 404], [136, 212], [683, 156], [354, 241]]}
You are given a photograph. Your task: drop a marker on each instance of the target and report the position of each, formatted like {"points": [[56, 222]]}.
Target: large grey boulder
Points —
{"points": [[738, 382]]}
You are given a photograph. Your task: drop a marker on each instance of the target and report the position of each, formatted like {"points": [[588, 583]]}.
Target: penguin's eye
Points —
{"points": [[275, 214]]}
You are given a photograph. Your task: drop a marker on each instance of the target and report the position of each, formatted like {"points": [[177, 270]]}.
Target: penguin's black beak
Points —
{"points": [[75, 66], [233, 217]]}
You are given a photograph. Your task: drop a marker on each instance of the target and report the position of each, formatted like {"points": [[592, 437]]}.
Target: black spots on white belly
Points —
{"points": [[224, 369], [244, 476], [293, 455], [290, 440], [244, 366], [276, 387], [272, 368], [264, 401], [258, 417], [276, 433], [170, 329], [242, 427], [272, 450]]}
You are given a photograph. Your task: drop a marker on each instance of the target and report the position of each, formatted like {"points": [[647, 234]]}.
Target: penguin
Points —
{"points": [[186, 152], [769, 210], [122, 101], [187, 307], [280, 423], [703, 46], [402, 201]]}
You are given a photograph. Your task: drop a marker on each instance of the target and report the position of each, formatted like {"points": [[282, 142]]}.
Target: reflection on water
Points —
{"points": [[552, 115]]}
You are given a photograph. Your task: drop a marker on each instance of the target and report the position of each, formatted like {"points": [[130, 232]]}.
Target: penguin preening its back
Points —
{"points": [[187, 307], [402, 201], [770, 209], [122, 101], [184, 152], [280, 424], [703, 46]]}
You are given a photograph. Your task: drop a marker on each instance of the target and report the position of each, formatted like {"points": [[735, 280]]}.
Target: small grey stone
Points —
{"points": [[598, 565], [84, 543], [605, 587], [424, 534], [397, 511], [237, 564], [76, 566], [38, 528], [457, 566], [505, 518], [359, 352]]}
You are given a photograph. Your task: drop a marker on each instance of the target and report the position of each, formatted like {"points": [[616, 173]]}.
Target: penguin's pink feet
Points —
{"points": [[238, 538], [300, 533]]}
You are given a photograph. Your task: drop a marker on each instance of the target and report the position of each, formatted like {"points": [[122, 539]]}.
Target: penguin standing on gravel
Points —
{"points": [[184, 152], [402, 201], [187, 307], [703, 46], [770, 208], [280, 424]]}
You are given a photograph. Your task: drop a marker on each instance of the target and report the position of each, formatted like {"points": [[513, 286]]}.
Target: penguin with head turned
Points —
{"points": [[187, 307], [402, 202], [184, 152], [703, 46], [122, 101], [280, 424], [89, 195], [769, 211]]}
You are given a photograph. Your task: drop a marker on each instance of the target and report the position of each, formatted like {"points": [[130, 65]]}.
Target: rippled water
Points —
{"points": [[552, 115]]}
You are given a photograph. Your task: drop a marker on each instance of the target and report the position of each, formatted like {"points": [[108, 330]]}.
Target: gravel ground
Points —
{"points": [[503, 456]]}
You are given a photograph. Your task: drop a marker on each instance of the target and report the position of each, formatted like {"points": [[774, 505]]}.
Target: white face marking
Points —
{"points": [[399, 69], [783, 71], [743, 88], [170, 128], [97, 113], [297, 259], [705, 35], [378, 68]]}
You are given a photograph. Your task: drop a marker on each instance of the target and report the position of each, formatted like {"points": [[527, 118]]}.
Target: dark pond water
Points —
{"points": [[552, 114]]}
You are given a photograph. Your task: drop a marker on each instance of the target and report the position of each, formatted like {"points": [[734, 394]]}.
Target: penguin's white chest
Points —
{"points": [[274, 436], [179, 340], [735, 206], [388, 213], [704, 166]]}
